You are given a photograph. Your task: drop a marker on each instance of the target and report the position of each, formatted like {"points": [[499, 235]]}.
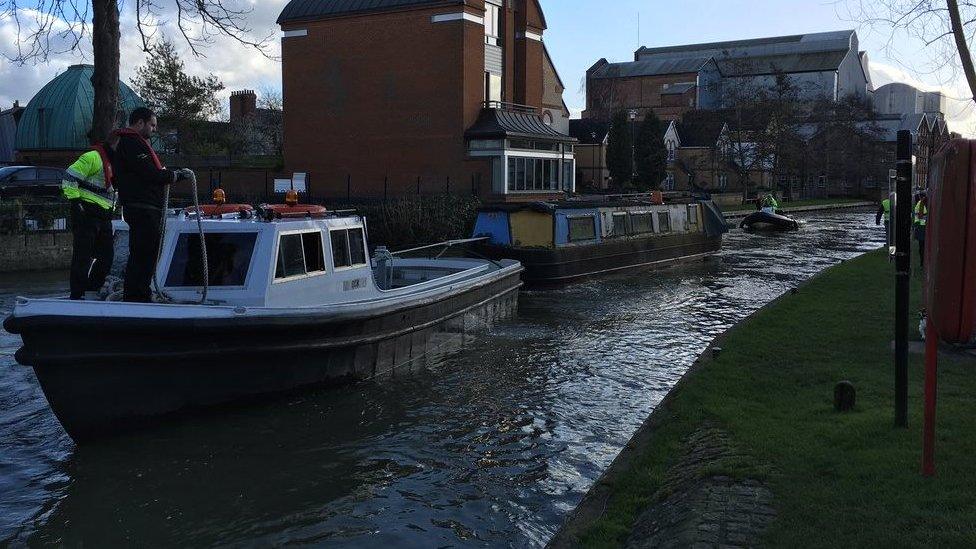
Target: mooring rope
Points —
{"points": [[203, 246]]}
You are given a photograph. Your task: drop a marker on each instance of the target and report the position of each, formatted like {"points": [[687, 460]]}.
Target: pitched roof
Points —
{"points": [[649, 67], [501, 124], [790, 63], [60, 115], [589, 131], [297, 10], [819, 41], [702, 131]]}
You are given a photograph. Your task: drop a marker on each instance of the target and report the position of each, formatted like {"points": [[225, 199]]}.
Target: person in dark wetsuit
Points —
{"points": [[141, 180]]}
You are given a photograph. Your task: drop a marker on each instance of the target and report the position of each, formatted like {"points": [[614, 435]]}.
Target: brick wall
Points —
{"points": [[607, 95], [35, 252], [384, 96]]}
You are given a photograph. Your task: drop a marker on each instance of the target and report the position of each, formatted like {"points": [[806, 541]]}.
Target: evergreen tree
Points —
{"points": [[176, 97], [620, 150], [650, 154]]}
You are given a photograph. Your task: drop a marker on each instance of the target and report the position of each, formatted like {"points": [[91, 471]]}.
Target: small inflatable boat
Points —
{"points": [[768, 221]]}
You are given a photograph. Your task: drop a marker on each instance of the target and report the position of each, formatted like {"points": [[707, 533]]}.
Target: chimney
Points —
{"points": [[16, 104], [243, 104]]}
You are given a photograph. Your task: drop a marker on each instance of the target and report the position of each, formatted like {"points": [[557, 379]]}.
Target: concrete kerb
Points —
{"points": [[594, 503]]}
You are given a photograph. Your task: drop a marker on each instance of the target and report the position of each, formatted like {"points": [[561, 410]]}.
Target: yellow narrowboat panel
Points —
{"points": [[531, 229]]}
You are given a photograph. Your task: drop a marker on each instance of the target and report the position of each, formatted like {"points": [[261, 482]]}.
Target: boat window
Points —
{"points": [[582, 228], [357, 247], [641, 223], [693, 214], [340, 249], [664, 221], [620, 224], [300, 254], [314, 257], [228, 259], [348, 248]]}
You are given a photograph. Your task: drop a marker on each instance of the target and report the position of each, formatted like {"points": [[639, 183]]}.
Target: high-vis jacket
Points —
{"points": [[884, 211], [921, 213], [86, 180]]}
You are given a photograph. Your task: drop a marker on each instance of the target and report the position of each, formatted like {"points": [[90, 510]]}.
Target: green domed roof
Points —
{"points": [[60, 115]]}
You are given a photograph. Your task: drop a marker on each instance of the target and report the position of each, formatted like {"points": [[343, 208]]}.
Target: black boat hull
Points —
{"points": [[555, 266], [105, 377], [765, 221]]}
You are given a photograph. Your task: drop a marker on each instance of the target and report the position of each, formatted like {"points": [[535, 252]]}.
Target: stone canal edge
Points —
{"points": [[697, 510]]}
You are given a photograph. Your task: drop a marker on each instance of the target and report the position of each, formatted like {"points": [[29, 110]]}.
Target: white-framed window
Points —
{"points": [[533, 174], [693, 214], [229, 258], [822, 181], [493, 87], [493, 17], [641, 223], [664, 222], [670, 151], [723, 182], [300, 255], [619, 224], [348, 248]]}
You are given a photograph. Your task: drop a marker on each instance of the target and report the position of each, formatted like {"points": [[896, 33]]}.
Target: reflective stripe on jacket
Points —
{"points": [[85, 180]]}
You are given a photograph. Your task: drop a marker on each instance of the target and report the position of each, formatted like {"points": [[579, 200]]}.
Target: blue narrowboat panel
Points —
{"points": [[494, 225], [572, 227]]}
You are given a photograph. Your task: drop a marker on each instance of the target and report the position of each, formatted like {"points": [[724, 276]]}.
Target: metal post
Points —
{"points": [[903, 266]]}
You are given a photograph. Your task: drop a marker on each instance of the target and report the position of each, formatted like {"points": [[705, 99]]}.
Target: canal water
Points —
{"points": [[491, 444]]}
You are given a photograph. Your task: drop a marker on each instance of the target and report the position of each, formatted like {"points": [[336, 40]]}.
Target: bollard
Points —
{"points": [[845, 396]]}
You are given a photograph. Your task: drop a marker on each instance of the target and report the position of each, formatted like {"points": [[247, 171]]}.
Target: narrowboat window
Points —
{"points": [[664, 221], [357, 247], [340, 249], [291, 258], [693, 214], [582, 228], [641, 223], [228, 259], [314, 258], [620, 224]]}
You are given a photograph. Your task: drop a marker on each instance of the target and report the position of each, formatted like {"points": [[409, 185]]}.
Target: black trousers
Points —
{"points": [[144, 244], [920, 236], [91, 229]]}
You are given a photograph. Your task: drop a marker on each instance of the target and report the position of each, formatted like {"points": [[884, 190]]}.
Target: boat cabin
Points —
{"points": [[569, 224], [289, 262]]}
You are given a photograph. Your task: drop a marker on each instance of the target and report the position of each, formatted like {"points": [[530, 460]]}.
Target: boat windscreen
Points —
{"points": [[228, 259]]}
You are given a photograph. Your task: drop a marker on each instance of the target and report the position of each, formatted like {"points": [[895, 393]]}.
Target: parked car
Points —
{"points": [[30, 181]]}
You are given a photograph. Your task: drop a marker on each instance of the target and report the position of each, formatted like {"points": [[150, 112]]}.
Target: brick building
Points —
{"points": [[399, 95]]}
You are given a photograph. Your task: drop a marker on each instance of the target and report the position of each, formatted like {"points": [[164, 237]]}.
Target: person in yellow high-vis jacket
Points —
{"points": [[921, 219], [88, 187]]}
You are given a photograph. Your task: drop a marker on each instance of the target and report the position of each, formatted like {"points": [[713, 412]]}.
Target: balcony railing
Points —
{"points": [[512, 107]]}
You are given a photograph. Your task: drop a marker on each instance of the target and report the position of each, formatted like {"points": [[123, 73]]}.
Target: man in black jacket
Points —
{"points": [[141, 179]]}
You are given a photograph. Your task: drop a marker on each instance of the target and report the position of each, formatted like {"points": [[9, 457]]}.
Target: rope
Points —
{"points": [[203, 246]]}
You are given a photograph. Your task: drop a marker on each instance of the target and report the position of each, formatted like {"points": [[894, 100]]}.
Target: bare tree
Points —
{"points": [[48, 28], [946, 27]]}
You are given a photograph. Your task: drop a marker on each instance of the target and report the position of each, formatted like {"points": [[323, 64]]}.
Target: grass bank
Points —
{"points": [[799, 203], [838, 479]]}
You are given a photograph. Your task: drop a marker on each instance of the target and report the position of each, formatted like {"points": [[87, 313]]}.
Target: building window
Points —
{"points": [[582, 228], [670, 151], [669, 182], [228, 255], [348, 248], [533, 174], [493, 88], [299, 255], [723, 182], [822, 181], [492, 24], [547, 118], [693, 214]]}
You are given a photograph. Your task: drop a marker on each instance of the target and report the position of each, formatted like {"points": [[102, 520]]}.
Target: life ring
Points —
{"points": [[284, 211], [213, 210]]}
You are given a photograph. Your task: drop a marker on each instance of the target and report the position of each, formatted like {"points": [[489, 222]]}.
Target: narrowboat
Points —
{"points": [[565, 241], [290, 300]]}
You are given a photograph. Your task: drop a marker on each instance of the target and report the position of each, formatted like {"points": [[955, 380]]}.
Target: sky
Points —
{"points": [[580, 33]]}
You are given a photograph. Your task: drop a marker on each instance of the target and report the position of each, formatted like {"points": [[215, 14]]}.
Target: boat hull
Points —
{"points": [[105, 376], [555, 266], [765, 221]]}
